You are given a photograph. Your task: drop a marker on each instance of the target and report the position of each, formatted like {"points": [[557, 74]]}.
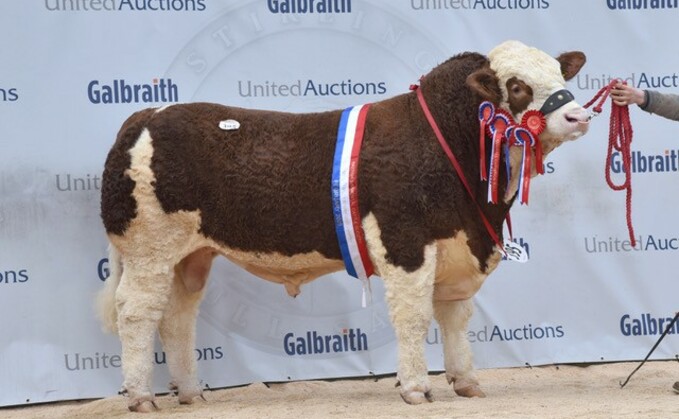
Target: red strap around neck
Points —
{"points": [[456, 165]]}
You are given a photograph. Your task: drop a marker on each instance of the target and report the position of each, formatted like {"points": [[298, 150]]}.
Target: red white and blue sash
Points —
{"points": [[345, 193]]}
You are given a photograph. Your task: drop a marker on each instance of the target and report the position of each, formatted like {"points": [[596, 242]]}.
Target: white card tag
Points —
{"points": [[515, 252], [229, 125]]}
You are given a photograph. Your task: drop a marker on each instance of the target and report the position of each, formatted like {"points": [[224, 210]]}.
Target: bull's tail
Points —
{"points": [[106, 299]]}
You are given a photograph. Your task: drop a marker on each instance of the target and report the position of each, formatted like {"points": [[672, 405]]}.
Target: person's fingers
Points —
{"points": [[621, 94], [620, 97]]}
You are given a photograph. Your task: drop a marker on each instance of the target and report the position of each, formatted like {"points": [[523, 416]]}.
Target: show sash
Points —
{"points": [[345, 193]]}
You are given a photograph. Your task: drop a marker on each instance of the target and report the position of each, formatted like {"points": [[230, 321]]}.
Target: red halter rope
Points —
{"points": [[619, 138]]}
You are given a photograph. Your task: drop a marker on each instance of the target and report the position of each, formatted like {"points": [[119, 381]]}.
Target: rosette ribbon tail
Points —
{"points": [[486, 114], [494, 172]]}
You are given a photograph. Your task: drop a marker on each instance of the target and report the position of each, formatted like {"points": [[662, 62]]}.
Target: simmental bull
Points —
{"points": [[179, 190]]}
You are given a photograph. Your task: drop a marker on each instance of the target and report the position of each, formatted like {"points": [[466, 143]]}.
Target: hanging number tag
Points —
{"points": [[515, 252], [229, 125]]}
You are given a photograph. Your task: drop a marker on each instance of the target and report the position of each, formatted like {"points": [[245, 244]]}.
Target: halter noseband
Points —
{"points": [[556, 100]]}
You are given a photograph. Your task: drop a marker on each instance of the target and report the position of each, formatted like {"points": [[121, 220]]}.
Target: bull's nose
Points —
{"points": [[577, 116]]}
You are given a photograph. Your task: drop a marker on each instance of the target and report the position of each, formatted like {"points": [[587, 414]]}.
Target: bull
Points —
{"points": [[188, 182]]}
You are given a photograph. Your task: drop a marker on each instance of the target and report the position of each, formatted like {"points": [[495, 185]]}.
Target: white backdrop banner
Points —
{"points": [[71, 71]]}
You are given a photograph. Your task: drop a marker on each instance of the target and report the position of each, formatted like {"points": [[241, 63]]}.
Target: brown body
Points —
{"points": [[266, 186]]}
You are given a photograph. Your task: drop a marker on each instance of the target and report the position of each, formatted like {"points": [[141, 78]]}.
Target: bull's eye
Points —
{"points": [[520, 94]]}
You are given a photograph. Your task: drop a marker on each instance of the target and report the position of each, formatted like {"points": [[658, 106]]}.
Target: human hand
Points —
{"points": [[623, 94]]}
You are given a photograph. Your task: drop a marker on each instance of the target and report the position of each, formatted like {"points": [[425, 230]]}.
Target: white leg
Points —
{"points": [[141, 300], [453, 317], [178, 325], [409, 295]]}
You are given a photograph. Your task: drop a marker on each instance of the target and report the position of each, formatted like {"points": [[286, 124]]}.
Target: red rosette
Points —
{"points": [[534, 121], [502, 120], [486, 111], [510, 118], [501, 114]]}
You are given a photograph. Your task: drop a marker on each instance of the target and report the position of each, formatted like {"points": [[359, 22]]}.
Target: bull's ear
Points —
{"points": [[485, 82], [571, 62]]}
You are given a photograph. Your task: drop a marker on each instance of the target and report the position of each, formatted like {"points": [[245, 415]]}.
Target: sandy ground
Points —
{"points": [[564, 391]]}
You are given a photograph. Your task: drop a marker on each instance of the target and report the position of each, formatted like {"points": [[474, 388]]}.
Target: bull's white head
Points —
{"points": [[528, 77], [521, 78]]}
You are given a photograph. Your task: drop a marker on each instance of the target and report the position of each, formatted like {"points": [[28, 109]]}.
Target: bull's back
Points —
{"points": [[264, 187]]}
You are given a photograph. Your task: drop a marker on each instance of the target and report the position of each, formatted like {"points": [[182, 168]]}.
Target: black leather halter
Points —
{"points": [[556, 100]]}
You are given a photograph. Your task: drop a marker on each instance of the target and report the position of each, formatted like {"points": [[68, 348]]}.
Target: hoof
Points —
{"points": [[470, 391], [429, 396], [143, 406], [188, 397], [417, 397]]}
